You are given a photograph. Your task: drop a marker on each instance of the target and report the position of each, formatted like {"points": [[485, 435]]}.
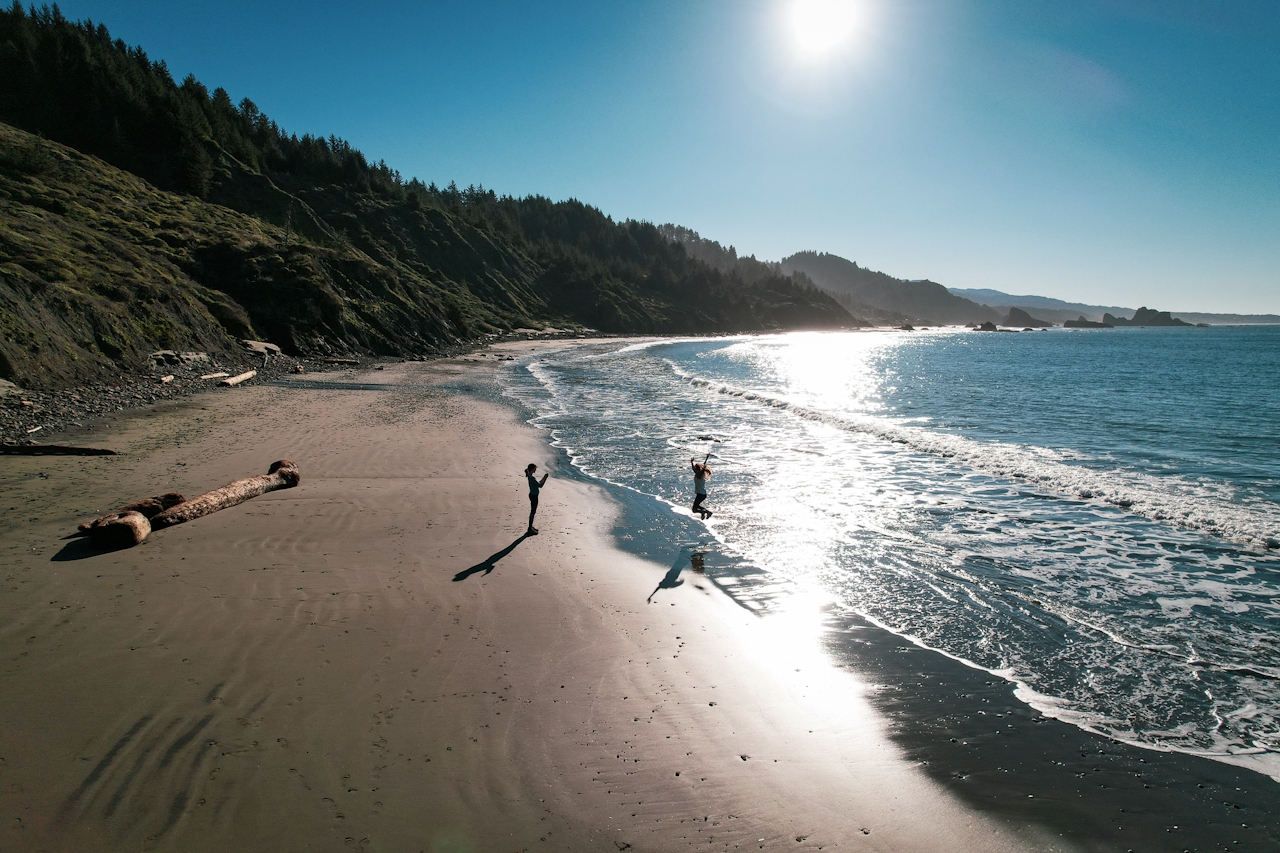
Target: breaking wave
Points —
{"points": [[1193, 506]]}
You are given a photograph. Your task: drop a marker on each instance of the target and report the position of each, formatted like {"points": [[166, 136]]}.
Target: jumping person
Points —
{"points": [[535, 486], [701, 473]]}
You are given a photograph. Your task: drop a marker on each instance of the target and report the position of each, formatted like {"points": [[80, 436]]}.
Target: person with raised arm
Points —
{"points": [[701, 473], [535, 486]]}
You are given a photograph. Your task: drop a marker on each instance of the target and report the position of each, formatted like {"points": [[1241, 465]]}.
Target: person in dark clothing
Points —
{"points": [[535, 486]]}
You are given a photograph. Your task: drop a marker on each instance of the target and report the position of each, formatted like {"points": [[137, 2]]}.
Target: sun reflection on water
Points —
{"points": [[838, 477]]}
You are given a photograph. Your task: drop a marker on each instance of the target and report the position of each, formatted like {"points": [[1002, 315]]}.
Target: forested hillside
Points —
{"points": [[728, 260], [139, 213], [874, 297], [917, 301]]}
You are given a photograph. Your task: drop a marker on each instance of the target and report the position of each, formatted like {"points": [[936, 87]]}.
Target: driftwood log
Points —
{"points": [[236, 380], [133, 523], [118, 530], [52, 450], [281, 475], [130, 524]]}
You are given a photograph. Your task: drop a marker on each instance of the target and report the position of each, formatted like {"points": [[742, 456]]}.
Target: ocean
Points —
{"points": [[1091, 515]]}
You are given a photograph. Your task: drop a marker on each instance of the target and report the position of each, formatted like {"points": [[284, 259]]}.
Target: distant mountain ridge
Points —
{"points": [[921, 302], [872, 297], [1058, 310]]}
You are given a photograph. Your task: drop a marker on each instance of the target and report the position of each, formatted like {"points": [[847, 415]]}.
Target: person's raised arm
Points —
{"points": [[543, 481]]}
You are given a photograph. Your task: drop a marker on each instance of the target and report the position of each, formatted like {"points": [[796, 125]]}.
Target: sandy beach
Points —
{"points": [[378, 660]]}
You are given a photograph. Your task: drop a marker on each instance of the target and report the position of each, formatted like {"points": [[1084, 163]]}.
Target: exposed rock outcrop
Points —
{"points": [[1145, 317], [1019, 317], [1082, 323]]}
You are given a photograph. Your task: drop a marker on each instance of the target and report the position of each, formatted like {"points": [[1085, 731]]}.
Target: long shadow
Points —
{"points": [[488, 565], [82, 548], [671, 579]]}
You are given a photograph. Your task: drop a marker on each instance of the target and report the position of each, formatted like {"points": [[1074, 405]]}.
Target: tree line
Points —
{"points": [[71, 82]]}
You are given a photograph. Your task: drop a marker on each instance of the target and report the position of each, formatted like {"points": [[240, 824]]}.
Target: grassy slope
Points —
{"points": [[98, 268], [91, 270]]}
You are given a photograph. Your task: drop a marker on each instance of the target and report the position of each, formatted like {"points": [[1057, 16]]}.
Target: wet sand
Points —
{"points": [[970, 734], [377, 660]]}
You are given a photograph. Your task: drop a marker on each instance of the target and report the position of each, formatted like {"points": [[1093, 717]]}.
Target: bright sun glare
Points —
{"points": [[821, 26]]}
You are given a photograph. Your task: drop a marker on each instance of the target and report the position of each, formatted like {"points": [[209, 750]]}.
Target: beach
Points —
{"points": [[379, 660]]}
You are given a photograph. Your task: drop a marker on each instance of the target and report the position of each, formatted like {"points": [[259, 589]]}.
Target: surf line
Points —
{"points": [[1018, 463]]}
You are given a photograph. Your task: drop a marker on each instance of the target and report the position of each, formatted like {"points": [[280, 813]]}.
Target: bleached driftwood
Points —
{"points": [[119, 530], [281, 475], [129, 525], [218, 375], [236, 380], [133, 523]]}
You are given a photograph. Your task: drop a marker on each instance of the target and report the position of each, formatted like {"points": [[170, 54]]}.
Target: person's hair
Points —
{"points": [[533, 466]]}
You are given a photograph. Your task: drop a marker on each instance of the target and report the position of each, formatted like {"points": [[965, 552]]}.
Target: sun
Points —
{"points": [[820, 27]]}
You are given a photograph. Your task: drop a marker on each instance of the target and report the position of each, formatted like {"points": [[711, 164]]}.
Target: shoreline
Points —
{"points": [[294, 732], [304, 669], [1195, 800]]}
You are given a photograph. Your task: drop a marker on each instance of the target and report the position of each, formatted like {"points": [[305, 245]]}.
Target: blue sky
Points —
{"points": [[1107, 151]]}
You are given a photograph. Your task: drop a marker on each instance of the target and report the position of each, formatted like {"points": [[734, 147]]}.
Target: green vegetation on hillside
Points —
{"points": [[861, 288], [139, 213]]}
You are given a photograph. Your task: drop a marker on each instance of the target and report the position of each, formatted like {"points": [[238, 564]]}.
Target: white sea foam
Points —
{"points": [[1123, 628], [1259, 760], [1203, 507]]}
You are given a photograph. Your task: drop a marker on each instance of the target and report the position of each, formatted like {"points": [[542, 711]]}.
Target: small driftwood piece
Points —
{"points": [[133, 523], [218, 375], [236, 380], [342, 360]]}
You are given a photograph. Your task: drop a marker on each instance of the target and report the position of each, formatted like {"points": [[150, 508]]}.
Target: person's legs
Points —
{"points": [[697, 504], [533, 510]]}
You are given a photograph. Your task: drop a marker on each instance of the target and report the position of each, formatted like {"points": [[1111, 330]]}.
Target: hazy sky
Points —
{"points": [[1107, 151]]}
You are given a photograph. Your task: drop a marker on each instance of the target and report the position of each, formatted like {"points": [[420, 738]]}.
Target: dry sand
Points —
{"points": [[377, 661]]}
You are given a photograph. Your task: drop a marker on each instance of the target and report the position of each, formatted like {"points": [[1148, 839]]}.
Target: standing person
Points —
{"points": [[701, 473], [535, 486]]}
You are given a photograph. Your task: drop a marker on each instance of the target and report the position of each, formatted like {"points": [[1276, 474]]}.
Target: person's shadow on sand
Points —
{"points": [[671, 579], [489, 564]]}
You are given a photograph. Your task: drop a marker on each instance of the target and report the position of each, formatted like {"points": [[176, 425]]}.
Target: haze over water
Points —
{"points": [[1091, 515]]}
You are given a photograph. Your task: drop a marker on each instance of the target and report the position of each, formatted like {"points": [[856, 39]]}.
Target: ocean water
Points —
{"points": [[1092, 515]]}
